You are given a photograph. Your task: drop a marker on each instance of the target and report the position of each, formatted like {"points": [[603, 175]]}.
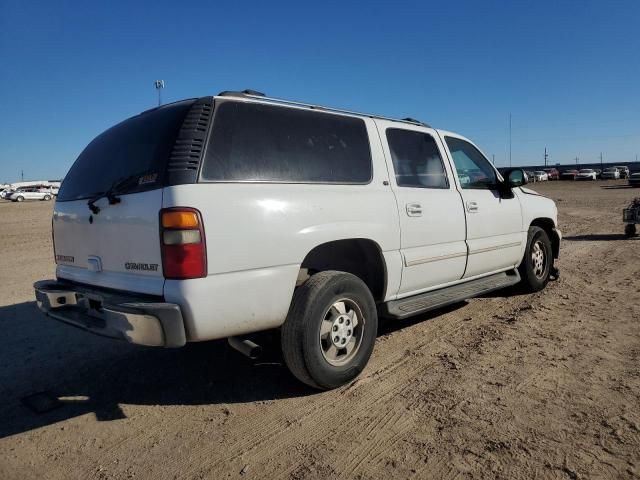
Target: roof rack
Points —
{"points": [[281, 101]]}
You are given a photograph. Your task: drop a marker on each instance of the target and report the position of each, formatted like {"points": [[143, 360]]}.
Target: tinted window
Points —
{"points": [[254, 142], [474, 170], [140, 145], [416, 159]]}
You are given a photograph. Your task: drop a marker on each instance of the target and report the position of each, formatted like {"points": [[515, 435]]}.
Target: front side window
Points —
{"points": [[264, 143], [474, 170], [416, 159]]}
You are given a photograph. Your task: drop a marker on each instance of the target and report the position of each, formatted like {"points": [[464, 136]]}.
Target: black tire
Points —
{"points": [[312, 306], [20, 199], [629, 230], [535, 278], [47, 197]]}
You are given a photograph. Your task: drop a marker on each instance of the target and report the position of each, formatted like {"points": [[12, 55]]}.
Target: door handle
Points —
{"points": [[472, 206], [414, 209]]}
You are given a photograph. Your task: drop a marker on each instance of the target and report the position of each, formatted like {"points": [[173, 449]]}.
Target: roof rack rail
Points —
{"points": [[263, 97]]}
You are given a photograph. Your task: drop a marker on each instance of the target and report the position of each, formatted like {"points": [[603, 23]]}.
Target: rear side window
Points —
{"points": [[416, 159], [139, 146], [265, 143]]}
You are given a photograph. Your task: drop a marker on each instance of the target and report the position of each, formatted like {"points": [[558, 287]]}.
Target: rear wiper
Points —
{"points": [[112, 193]]}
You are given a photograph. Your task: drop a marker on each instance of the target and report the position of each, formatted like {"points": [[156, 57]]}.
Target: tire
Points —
{"points": [[310, 354], [20, 199], [629, 230], [47, 198], [534, 274]]}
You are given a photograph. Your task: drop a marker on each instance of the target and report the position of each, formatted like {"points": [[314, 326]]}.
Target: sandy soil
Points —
{"points": [[508, 386]]}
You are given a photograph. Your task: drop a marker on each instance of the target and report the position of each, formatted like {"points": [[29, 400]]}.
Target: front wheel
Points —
{"points": [[536, 264], [629, 230], [20, 199], [47, 197], [330, 330]]}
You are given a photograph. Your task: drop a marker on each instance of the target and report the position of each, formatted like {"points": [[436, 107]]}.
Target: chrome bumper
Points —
{"points": [[136, 319]]}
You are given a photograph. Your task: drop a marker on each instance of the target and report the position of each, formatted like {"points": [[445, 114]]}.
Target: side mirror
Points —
{"points": [[515, 177]]}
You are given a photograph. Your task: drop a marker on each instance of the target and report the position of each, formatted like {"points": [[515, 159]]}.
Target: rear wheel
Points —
{"points": [[330, 330], [536, 264], [20, 199], [47, 197], [629, 230]]}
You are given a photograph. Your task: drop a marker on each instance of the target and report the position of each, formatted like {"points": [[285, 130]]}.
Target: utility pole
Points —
{"points": [[546, 155], [577, 161], [22, 175], [159, 84], [600, 160], [509, 139]]}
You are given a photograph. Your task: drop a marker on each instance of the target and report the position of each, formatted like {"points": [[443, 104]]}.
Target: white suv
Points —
{"points": [[223, 216]]}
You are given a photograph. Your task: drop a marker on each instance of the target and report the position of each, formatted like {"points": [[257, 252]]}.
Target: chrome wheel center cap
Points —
{"points": [[341, 331]]}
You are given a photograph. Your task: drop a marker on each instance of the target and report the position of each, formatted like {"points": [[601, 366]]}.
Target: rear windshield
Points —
{"points": [[139, 146], [264, 143]]}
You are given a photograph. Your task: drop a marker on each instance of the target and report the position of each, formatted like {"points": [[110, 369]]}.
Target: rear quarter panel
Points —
{"points": [[257, 236]]}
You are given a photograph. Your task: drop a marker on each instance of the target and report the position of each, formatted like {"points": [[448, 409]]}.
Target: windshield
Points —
{"points": [[610, 169], [140, 145]]}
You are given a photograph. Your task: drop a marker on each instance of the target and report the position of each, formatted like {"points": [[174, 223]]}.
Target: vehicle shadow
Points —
{"points": [[593, 237], [616, 187], [84, 373]]}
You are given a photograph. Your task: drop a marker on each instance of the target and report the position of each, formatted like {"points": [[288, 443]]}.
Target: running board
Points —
{"points": [[424, 302]]}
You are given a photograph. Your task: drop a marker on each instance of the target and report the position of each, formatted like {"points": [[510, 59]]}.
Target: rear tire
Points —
{"points": [[47, 197], [629, 230], [20, 199], [330, 330], [536, 263]]}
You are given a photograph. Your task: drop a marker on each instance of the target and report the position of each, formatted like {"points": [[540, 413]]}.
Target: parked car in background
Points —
{"points": [[531, 177], [541, 176], [568, 175], [552, 173], [21, 195], [611, 173], [624, 171], [586, 174], [5, 192], [634, 179], [330, 218], [598, 173]]}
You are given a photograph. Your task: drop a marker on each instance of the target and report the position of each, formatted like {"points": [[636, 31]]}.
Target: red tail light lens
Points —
{"points": [[184, 250]]}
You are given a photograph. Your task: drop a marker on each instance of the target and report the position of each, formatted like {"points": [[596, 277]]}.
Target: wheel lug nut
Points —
{"points": [[341, 320], [348, 332], [336, 339], [348, 322], [335, 328], [344, 340]]}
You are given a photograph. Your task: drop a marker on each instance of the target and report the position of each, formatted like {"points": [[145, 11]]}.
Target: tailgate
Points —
{"points": [[117, 248]]}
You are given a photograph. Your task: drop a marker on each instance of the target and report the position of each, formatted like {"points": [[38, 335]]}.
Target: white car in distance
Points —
{"points": [[586, 174], [540, 176], [29, 194]]}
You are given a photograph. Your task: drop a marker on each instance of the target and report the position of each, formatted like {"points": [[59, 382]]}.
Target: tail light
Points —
{"points": [[184, 250]]}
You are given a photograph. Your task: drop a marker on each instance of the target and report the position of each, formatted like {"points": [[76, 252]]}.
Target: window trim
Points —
{"points": [[440, 152], [218, 103], [491, 187]]}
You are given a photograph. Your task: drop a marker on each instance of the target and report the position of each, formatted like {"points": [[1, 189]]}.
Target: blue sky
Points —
{"points": [[568, 71]]}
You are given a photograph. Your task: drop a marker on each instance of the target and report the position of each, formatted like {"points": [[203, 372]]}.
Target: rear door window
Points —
{"points": [[139, 146], [416, 159], [265, 143]]}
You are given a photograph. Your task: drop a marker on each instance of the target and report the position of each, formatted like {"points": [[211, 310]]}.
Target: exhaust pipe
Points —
{"points": [[245, 347]]}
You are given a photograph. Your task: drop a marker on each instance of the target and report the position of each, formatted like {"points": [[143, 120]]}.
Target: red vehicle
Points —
{"points": [[568, 175], [553, 173]]}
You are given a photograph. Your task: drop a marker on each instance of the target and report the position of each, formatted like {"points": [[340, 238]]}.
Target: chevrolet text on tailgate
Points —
{"points": [[223, 216]]}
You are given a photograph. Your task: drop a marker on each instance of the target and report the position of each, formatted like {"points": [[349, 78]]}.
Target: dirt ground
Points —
{"points": [[507, 386]]}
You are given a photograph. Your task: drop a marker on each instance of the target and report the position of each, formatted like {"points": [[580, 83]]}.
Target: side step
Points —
{"points": [[424, 302]]}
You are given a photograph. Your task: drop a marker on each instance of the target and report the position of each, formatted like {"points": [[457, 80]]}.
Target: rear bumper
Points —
{"points": [[141, 320]]}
